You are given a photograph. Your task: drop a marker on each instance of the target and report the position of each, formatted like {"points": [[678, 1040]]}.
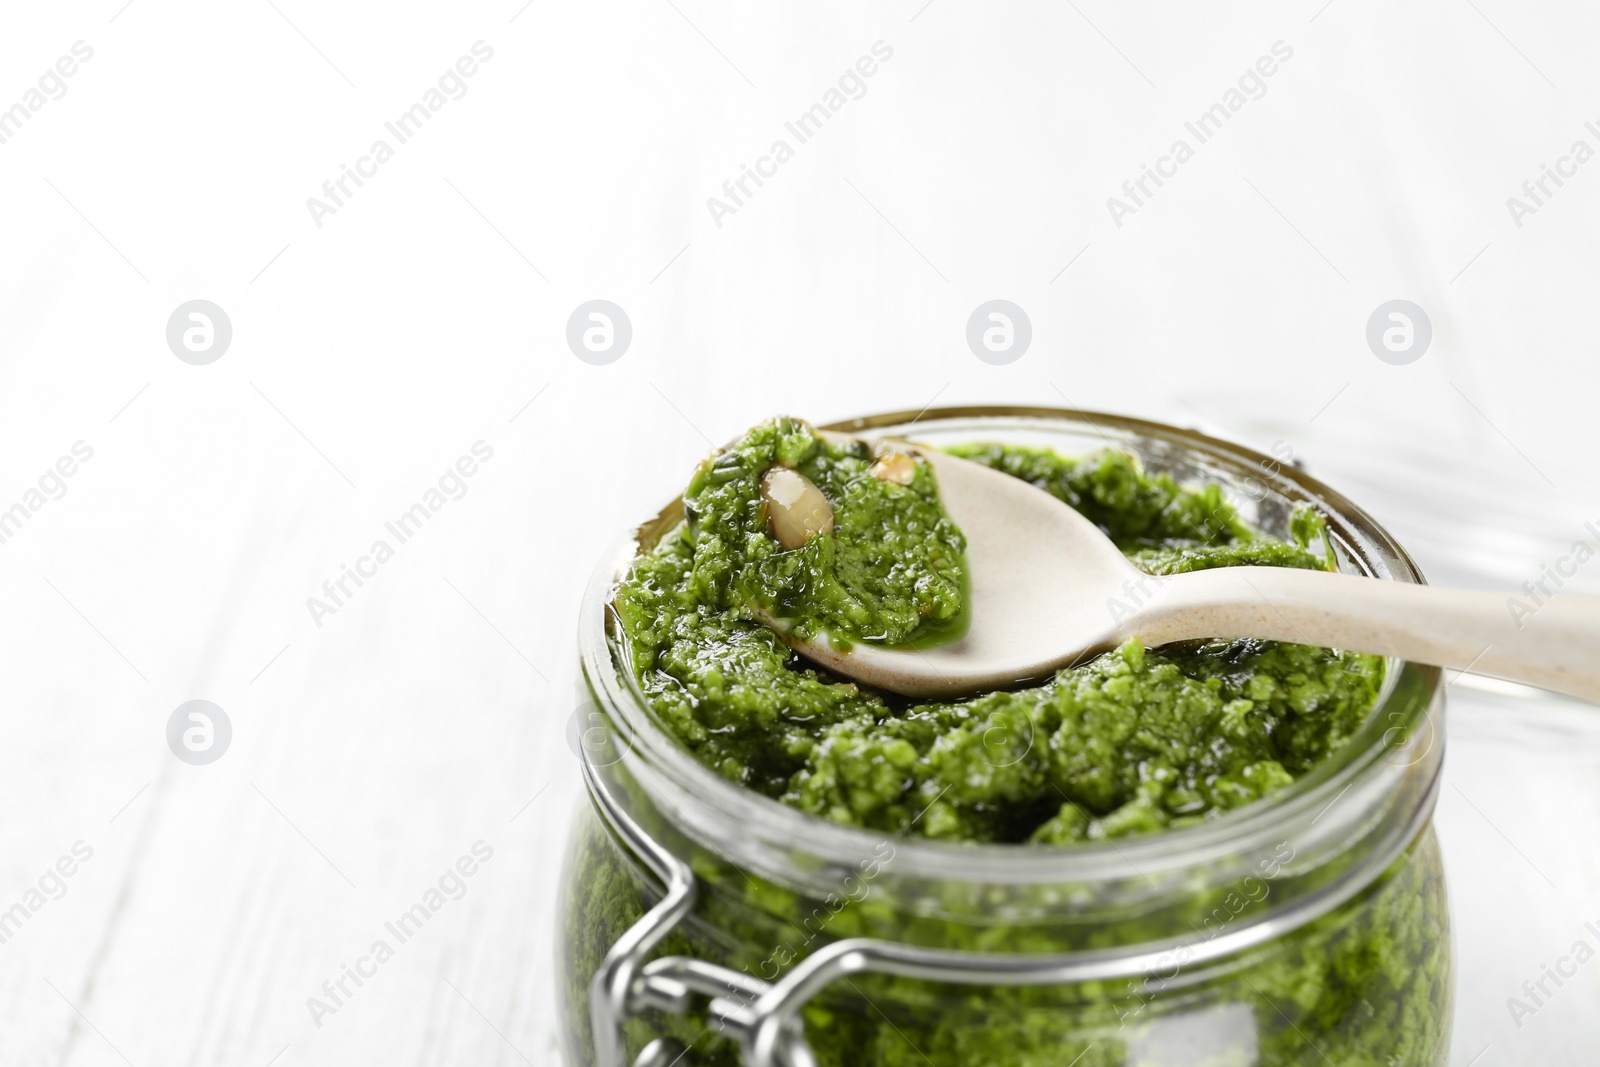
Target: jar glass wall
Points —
{"points": [[1308, 929]]}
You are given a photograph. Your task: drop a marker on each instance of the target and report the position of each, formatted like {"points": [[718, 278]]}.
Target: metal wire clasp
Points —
{"points": [[626, 985]]}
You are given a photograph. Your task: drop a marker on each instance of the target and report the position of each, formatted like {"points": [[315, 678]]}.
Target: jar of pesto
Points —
{"points": [[702, 922]]}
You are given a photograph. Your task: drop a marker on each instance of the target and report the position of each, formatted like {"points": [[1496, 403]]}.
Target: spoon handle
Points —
{"points": [[1549, 642]]}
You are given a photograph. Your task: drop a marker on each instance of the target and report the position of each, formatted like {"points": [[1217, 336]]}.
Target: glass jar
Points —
{"points": [[701, 923]]}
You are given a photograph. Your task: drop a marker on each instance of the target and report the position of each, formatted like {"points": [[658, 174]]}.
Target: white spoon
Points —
{"points": [[1049, 590]]}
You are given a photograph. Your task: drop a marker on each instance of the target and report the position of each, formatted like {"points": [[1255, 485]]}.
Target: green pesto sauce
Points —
{"points": [[891, 567], [1133, 742]]}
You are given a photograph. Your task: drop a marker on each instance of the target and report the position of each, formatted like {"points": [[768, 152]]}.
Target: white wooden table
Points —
{"points": [[375, 344]]}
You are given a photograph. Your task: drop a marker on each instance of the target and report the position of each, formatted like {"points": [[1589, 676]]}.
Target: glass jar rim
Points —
{"points": [[661, 763]]}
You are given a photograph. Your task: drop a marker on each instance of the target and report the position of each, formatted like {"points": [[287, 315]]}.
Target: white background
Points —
{"points": [[425, 314]]}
